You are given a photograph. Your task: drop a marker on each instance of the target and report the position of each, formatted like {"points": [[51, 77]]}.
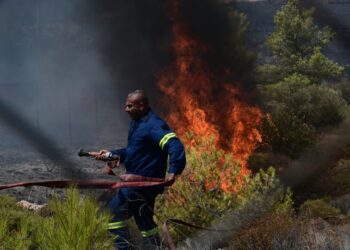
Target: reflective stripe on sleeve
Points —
{"points": [[165, 139], [117, 224], [149, 232]]}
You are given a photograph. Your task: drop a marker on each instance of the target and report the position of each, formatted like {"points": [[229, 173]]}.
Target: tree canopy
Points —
{"points": [[297, 46], [298, 103]]}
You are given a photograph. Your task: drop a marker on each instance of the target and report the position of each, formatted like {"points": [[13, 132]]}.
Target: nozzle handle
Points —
{"points": [[83, 153]]}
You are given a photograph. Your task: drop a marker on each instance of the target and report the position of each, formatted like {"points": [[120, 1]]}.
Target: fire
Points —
{"points": [[203, 102]]}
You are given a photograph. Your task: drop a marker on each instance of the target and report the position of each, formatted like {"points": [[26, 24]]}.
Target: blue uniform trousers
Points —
{"points": [[137, 203]]}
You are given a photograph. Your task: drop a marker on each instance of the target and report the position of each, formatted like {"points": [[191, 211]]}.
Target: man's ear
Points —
{"points": [[142, 106]]}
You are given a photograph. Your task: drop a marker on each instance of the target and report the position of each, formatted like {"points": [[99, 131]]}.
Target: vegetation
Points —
{"points": [[212, 186], [215, 185], [305, 94], [296, 45], [17, 225], [300, 106], [318, 208], [72, 224], [260, 234], [299, 112]]}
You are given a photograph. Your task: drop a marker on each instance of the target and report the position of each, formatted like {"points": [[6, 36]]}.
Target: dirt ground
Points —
{"points": [[31, 166]]}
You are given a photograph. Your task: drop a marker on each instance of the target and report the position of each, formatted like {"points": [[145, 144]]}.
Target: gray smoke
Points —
{"points": [[319, 157], [66, 67], [53, 75]]}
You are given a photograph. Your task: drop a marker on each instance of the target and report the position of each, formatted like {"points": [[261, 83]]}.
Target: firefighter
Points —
{"points": [[151, 147]]}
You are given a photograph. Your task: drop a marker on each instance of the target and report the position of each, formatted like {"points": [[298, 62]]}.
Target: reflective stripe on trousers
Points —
{"points": [[149, 233], [117, 224]]}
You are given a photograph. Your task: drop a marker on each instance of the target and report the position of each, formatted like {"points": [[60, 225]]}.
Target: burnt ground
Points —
{"points": [[26, 166]]}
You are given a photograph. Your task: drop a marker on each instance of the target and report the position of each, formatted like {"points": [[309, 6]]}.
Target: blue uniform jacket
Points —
{"points": [[150, 144]]}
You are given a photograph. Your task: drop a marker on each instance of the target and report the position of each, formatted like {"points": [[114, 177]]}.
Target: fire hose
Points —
{"points": [[128, 180], [93, 183]]}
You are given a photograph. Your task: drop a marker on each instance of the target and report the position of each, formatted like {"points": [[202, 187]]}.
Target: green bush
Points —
{"points": [[72, 224], [298, 111], [318, 208], [296, 45], [214, 184], [286, 133], [336, 180], [299, 106], [319, 106], [75, 224], [17, 225], [344, 88]]}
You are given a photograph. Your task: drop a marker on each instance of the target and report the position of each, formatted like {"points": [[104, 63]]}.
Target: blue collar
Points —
{"points": [[146, 116]]}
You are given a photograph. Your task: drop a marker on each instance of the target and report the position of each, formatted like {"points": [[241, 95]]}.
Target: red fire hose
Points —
{"points": [[129, 181]]}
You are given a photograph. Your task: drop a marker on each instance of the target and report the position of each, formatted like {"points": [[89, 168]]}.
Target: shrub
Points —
{"points": [[261, 233], [75, 224], [297, 112], [297, 45], [286, 133], [318, 208], [344, 88], [299, 106], [319, 106], [16, 225], [214, 184]]}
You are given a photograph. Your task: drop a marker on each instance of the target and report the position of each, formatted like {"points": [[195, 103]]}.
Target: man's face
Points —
{"points": [[134, 107]]}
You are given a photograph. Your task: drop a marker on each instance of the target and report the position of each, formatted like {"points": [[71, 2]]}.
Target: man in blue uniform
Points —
{"points": [[152, 146]]}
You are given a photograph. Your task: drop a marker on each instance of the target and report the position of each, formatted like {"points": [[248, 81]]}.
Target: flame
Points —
{"points": [[204, 103]]}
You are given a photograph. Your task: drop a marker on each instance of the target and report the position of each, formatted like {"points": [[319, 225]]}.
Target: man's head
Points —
{"points": [[137, 104]]}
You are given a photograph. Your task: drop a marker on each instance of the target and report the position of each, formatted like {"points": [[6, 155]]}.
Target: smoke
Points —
{"points": [[324, 16], [50, 71], [219, 27], [133, 41], [66, 67], [39, 142], [318, 158]]}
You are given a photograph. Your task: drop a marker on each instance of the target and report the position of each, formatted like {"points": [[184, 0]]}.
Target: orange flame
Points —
{"points": [[203, 102]]}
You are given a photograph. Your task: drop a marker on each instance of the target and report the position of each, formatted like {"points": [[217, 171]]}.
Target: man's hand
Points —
{"points": [[103, 155], [113, 164], [170, 179], [108, 168]]}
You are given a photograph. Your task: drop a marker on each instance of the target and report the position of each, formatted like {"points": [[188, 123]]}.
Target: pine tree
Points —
{"points": [[300, 107], [297, 45]]}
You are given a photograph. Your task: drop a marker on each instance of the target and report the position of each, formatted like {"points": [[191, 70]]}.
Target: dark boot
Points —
{"points": [[151, 243], [122, 241]]}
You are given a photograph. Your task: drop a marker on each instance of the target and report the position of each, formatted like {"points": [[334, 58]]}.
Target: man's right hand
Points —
{"points": [[103, 154]]}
